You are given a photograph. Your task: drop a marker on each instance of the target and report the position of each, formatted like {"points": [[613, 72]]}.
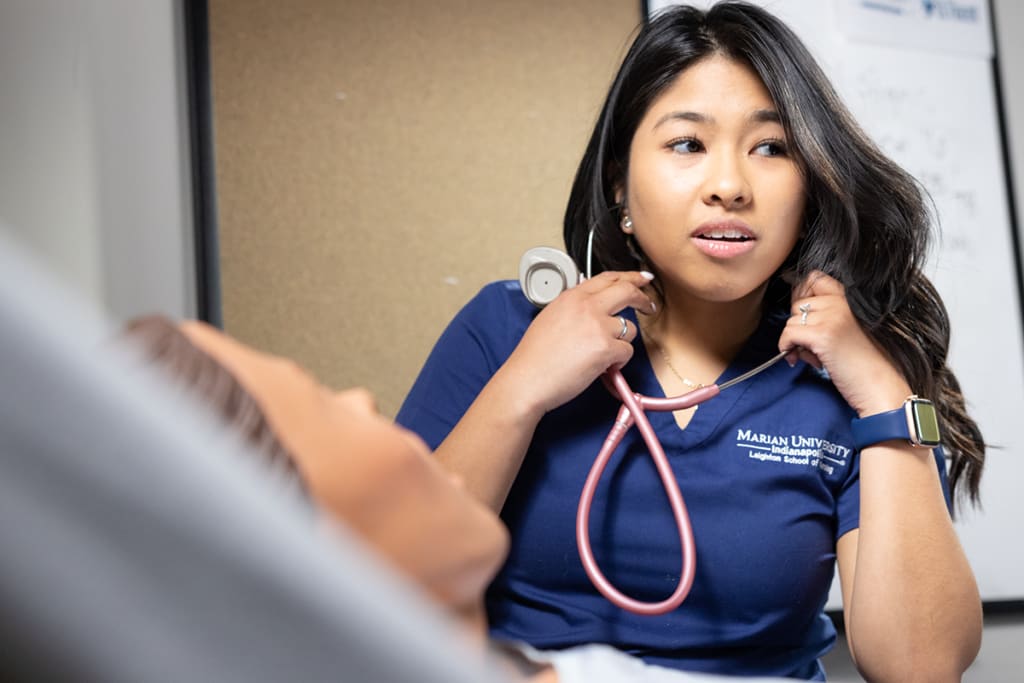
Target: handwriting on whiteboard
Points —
{"points": [[922, 126]]}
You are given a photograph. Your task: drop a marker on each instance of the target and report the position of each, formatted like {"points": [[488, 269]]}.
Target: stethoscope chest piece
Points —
{"points": [[544, 273]]}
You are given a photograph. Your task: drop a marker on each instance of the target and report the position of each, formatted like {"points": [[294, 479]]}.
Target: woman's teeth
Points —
{"points": [[724, 235]]}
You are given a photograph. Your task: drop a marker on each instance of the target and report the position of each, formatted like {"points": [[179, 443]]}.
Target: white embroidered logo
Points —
{"points": [[794, 449]]}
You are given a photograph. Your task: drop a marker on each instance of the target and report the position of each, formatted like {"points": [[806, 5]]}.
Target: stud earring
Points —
{"points": [[627, 224]]}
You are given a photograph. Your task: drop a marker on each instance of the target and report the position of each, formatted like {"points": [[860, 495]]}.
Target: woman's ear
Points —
{"points": [[625, 222]]}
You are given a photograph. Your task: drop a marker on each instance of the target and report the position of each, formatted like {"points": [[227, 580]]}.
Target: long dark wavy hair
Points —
{"points": [[867, 222]]}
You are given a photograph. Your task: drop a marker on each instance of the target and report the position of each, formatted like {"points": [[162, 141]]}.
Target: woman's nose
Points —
{"points": [[726, 182]]}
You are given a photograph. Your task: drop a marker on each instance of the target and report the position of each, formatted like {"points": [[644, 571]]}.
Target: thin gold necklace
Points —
{"points": [[688, 383]]}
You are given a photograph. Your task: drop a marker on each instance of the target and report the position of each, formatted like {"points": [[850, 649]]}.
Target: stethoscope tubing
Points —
{"points": [[633, 412]]}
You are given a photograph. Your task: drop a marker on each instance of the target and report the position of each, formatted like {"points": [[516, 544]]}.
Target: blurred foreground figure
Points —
{"points": [[142, 544]]}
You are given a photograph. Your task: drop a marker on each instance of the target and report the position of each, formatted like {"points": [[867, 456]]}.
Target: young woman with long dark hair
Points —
{"points": [[736, 210]]}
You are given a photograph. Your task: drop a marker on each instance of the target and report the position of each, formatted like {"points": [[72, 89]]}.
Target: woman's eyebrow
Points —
{"points": [[756, 116], [765, 116], [692, 116]]}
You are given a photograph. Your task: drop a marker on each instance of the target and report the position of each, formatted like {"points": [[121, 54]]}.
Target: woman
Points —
{"points": [[739, 210]]}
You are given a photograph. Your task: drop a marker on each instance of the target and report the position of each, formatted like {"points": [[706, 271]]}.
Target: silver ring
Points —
{"points": [[804, 310], [625, 328]]}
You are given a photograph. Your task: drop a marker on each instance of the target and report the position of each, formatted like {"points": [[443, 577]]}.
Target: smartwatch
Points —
{"points": [[915, 422]]}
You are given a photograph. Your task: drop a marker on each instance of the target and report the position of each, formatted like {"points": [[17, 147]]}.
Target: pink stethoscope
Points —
{"points": [[632, 412], [544, 273]]}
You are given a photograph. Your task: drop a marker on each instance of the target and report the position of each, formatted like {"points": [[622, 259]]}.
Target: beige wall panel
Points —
{"points": [[377, 163]]}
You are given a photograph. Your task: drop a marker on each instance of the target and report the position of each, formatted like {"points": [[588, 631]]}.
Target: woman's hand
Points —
{"points": [[576, 338], [829, 336]]}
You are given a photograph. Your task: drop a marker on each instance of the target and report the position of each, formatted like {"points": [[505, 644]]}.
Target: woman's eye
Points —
{"points": [[686, 146], [771, 148]]}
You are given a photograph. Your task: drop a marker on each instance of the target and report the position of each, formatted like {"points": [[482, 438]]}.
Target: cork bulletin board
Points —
{"points": [[377, 163]]}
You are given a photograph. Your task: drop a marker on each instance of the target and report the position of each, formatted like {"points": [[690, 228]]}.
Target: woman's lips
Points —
{"points": [[723, 240]]}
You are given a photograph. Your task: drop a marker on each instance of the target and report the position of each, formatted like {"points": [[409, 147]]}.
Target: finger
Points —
{"points": [[625, 292], [818, 306], [808, 357], [601, 281], [620, 351], [797, 352], [801, 310], [625, 330], [809, 310], [818, 283]]}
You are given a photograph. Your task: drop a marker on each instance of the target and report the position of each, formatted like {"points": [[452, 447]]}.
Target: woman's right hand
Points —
{"points": [[566, 347], [576, 338]]}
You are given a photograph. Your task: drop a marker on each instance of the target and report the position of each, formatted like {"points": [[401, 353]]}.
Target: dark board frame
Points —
{"points": [[204, 182]]}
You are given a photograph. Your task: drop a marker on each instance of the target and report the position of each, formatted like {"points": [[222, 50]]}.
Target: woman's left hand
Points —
{"points": [[829, 336]]}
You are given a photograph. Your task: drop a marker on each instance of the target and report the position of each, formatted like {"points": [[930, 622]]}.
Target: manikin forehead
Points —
{"points": [[238, 358], [268, 378], [299, 409], [293, 400]]}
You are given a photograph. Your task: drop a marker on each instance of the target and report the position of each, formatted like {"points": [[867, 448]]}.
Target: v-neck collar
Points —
{"points": [[639, 372]]}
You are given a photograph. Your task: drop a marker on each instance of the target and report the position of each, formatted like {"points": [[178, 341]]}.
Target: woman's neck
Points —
{"points": [[690, 342], [696, 339], [687, 326]]}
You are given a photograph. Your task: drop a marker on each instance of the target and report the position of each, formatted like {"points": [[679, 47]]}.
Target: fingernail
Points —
{"points": [[647, 275]]}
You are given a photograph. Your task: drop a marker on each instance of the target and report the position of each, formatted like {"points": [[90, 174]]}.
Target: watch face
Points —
{"points": [[927, 423]]}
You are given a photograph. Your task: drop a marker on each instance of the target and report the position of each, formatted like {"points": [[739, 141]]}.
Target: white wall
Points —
{"points": [[94, 163]]}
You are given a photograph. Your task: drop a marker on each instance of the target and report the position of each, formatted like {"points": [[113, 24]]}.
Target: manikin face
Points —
{"points": [[715, 198], [378, 478]]}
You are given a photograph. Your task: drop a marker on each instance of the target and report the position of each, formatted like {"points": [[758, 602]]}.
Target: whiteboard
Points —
{"points": [[923, 87]]}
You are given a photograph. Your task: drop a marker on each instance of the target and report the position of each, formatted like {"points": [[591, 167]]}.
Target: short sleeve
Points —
{"points": [[472, 348]]}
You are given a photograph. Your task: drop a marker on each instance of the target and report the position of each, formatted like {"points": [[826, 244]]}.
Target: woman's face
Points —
{"points": [[715, 198], [376, 477]]}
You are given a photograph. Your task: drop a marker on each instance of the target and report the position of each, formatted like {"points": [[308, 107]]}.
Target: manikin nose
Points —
{"points": [[358, 400]]}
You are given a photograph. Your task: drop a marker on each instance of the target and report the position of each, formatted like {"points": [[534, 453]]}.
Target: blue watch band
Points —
{"points": [[916, 422], [867, 431]]}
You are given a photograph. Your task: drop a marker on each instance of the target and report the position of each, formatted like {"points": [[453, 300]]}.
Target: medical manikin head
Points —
{"points": [[358, 467]]}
